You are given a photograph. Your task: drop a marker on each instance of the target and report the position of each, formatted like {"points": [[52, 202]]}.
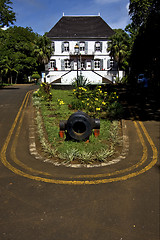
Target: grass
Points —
{"points": [[48, 118]]}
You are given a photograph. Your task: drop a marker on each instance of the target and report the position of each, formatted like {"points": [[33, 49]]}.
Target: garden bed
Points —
{"points": [[55, 105]]}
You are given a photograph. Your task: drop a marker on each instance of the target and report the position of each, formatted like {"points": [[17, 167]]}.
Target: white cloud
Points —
{"points": [[127, 7], [106, 1], [4, 28]]}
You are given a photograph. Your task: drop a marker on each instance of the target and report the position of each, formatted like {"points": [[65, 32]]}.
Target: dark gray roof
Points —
{"points": [[81, 27]]}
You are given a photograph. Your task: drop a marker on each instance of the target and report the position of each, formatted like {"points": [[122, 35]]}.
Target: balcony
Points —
{"points": [[89, 52]]}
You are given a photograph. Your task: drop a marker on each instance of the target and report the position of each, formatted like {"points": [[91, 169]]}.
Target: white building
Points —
{"points": [[91, 35]]}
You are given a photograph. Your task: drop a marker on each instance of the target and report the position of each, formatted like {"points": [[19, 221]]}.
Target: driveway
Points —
{"points": [[41, 201]]}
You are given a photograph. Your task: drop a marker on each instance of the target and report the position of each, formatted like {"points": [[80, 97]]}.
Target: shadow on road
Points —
{"points": [[140, 104], [9, 88]]}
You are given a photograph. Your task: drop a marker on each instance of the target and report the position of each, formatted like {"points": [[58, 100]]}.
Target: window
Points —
{"points": [[82, 46], [66, 46], [98, 46], [67, 63], [97, 64], [53, 46], [83, 66], [53, 64]]}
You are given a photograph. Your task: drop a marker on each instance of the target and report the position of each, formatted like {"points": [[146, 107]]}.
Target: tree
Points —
{"points": [[119, 48], [145, 54], [139, 10], [22, 53], [43, 51], [7, 16], [17, 53]]}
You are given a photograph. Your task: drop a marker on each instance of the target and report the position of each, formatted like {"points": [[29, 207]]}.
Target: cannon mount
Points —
{"points": [[79, 127]]}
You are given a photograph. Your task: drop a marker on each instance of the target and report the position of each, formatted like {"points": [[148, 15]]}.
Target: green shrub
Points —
{"points": [[44, 92], [97, 102]]}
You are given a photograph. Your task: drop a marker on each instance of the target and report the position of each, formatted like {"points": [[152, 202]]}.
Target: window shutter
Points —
{"points": [[86, 47], [79, 65], [101, 64], [62, 47], [95, 47], [92, 64], [72, 65], [46, 67], [49, 65], [100, 46], [62, 65], [55, 63], [53, 46], [85, 64], [108, 64]]}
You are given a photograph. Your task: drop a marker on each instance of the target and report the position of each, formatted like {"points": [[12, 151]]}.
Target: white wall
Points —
{"points": [[69, 77], [59, 55], [91, 77], [91, 46]]}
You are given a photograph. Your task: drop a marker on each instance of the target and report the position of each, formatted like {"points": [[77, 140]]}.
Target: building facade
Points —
{"points": [[79, 47]]}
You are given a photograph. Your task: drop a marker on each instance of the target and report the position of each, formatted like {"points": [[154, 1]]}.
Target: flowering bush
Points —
{"points": [[97, 102], [44, 92]]}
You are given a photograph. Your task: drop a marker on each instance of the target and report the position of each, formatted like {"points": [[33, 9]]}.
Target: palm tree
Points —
{"points": [[119, 48], [43, 50]]}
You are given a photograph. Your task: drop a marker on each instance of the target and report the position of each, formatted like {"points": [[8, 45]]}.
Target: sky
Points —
{"points": [[42, 15]]}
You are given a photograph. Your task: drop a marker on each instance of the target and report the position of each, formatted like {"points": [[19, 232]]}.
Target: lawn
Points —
{"points": [[57, 105]]}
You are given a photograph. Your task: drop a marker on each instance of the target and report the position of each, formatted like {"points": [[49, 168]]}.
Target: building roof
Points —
{"points": [[81, 27]]}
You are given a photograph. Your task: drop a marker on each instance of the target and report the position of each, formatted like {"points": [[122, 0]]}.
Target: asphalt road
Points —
{"points": [[43, 202]]}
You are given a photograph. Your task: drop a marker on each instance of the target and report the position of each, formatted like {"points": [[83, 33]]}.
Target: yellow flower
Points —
{"points": [[61, 103], [96, 99], [103, 103], [98, 109]]}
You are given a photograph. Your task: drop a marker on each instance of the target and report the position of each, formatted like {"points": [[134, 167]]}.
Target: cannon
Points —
{"points": [[79, 127]]}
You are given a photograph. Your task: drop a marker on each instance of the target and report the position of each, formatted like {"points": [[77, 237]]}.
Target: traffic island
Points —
{"points": [[99, 149]]}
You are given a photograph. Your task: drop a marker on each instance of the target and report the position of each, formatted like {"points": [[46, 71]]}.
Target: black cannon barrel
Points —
{"points": [[79, 126]]}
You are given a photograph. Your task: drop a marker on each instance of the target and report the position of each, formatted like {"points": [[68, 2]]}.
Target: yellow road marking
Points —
{"points": [[13, 151], [154, 149], [4, 148], [143, 159], [77, 182]]}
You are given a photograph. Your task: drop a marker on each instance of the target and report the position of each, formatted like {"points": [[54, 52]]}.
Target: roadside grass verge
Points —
{"points": [[48, 116]]}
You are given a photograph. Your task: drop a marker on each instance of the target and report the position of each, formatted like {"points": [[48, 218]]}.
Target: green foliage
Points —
{"points": [[44, 92], [81, 81], [144, 29], [42, 50], [139, 11], [36, 76], [7, 16], [19, 53], [97, 150], [97, 102], [119, 48]]}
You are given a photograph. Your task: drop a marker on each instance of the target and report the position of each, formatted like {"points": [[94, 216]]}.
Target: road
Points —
{"points": [[43, 202]]}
